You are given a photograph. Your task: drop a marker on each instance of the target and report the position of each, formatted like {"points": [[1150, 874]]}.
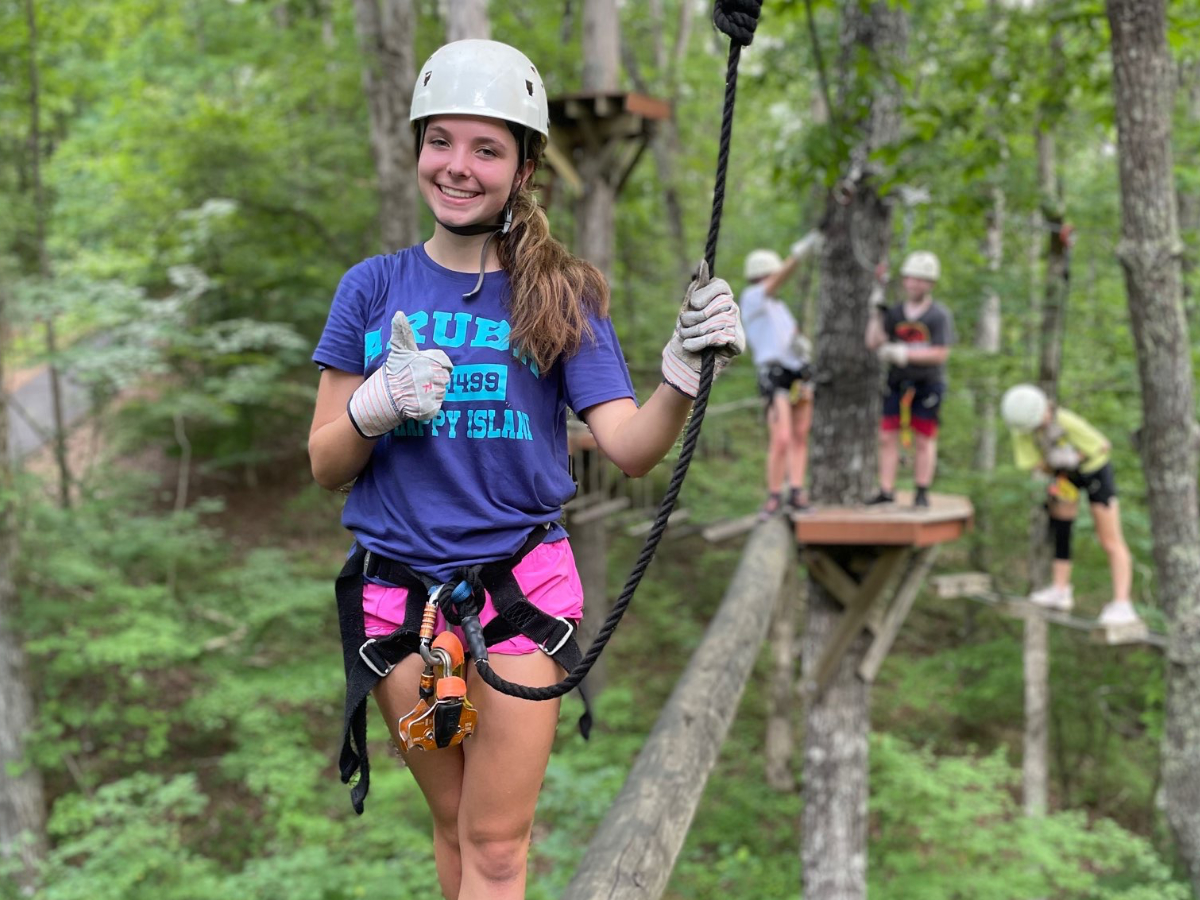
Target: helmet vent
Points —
{"points": [[529, 87], [425, 80]]}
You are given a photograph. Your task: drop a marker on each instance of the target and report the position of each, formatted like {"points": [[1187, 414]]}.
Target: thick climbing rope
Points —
{"points": [[737, 19]]}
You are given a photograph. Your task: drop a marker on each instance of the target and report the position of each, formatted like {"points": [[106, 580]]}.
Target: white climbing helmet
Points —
{"points": [[761, 263], [481, 78], [921, 264], [1023, 407]]}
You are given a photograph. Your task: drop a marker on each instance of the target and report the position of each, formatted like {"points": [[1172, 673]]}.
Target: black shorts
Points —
{"points": [[926, 406], [776, 378], [1100, 485]]}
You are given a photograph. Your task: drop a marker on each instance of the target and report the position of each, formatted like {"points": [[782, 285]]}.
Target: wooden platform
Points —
{"points": [[897, 524], [614, 126]]}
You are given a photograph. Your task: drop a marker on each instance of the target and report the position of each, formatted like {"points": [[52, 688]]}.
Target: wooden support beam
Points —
{"points": [[961, 584], [897, 612], [844, 589], [880, 576], [678, 517], [634, 849], [564, 168], [602, 510], [722, 531]]}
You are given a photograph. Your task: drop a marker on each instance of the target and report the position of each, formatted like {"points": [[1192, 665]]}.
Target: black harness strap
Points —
{"points": [[369, 660]]}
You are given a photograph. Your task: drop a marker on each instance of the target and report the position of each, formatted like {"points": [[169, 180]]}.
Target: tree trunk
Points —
{"points": [[987, 341], [601, 67], [1149, 252], [466, 19], [43, 256], [1035, 764], [601, 45], [22, 807], [594, 242], [665, 142], [987, 336], [385, 33], [844, 441], [1189, 199]]}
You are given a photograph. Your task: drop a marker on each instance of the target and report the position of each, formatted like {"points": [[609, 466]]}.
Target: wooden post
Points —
{"points": [[594, 215], [589, 543], [1034, 764], [385, 36], [634, 849]]}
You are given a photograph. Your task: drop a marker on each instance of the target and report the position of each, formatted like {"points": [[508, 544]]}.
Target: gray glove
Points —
{"points": [[708, 318], [807, 244], [410, 384], [1063, 458]]}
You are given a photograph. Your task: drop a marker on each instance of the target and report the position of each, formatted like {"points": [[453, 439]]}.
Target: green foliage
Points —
{"points": [[208, 178], [128, 841], [942, 823]]}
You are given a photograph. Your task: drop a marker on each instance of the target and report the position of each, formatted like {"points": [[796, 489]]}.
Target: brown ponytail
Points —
{"points": [[552, 291]]}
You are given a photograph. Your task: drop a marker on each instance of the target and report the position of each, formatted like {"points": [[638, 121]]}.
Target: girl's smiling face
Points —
{"points": [[467, 169]]}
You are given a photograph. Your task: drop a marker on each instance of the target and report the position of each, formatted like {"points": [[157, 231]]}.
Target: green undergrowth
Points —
{"points": [[189, 690]]}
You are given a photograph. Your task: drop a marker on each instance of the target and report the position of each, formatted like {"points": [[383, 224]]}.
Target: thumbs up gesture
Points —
{"points": [[410, 384]]}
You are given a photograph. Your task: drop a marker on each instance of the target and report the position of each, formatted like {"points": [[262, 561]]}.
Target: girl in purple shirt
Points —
{"points": [[447, 370]]}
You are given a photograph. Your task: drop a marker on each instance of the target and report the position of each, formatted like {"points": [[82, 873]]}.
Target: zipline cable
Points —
{"points": [[737, 19]]}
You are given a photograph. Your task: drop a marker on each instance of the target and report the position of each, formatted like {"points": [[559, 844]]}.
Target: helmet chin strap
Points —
{"points": [[470, 230]]}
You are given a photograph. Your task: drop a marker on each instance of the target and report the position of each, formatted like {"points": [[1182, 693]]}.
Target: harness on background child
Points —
{"points": [[442, 716]]}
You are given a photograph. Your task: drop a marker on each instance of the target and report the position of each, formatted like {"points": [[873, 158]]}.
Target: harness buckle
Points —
{"points": [[550, 651], [362, 654]]}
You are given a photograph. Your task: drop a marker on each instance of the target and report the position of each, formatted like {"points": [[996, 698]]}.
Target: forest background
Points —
{"points": [[199, 178]]}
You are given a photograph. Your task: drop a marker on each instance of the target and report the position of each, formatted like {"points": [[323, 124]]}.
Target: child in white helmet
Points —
{"points": [[782, 357], [447, 371], [1062, 445], [913, 340]]}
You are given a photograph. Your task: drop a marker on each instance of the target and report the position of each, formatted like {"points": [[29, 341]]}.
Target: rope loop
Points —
{"points": [[737, 18], [466, 599]]}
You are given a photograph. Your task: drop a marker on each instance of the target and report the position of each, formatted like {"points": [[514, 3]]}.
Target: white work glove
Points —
{"points": [[1063, 458], [893, 353], [807, 244], [708, 318], [410, 384]]}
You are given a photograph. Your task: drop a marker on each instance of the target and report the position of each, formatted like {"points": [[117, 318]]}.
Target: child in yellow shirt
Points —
{"points": [[1063, 445]]}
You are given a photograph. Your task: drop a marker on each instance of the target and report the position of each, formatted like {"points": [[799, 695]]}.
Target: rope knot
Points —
{"points": [[737, 18]]}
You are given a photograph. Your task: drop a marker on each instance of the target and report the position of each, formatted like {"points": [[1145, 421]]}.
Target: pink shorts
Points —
{"points": [[547, 575]]}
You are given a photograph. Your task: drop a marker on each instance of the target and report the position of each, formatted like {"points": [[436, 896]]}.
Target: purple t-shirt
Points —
{"points": [[467, 486]]}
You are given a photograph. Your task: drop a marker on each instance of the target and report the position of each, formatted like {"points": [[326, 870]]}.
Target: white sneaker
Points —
{"points": [[1061, 598], [1118, 612]]}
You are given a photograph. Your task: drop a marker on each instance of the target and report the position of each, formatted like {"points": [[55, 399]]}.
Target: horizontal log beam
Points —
{"points": [[634, 849]]}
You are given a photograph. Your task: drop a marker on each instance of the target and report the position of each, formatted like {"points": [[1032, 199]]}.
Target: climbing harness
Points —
{"points": [[443, 714]]}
